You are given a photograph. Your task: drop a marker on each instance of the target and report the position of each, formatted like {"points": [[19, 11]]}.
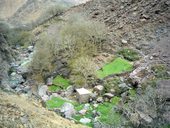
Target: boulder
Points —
{"points": [[108, 95], [69, 91], [45, 98], [86, 106], [85, 120], [83, 95], [68, 110], [15, 80], [93, 96], [30, 48], [124, 41], [99, 99], [99, 89], [112, 91], [123, 87], [49, 81], [42, 90], [145, 117], [83, 112]]}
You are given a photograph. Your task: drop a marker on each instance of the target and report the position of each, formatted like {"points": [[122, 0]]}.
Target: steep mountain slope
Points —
{"points": [[139, 24], [29, 11], [6, 56], [9, 7], [133, 20]]}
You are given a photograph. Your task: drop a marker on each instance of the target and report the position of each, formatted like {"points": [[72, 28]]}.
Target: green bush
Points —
{"points": [[160, 71], [129, 54], [16, 36], [4, 28]]}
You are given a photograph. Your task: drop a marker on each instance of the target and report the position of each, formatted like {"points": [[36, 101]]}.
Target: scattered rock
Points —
{"points": [[83, 95], [30, 48], [99, 99], [151, 58], [95, 105], [85, 120], [45, 98], [145, 117], [68, 110], [86, 106], [123, 86], [99, 89], [93, 96], [54, 95], [16, 80], [124, 41], [24, 119], [108, 95], [145, 16], [69, 91], [112, 91], [83, 112]]}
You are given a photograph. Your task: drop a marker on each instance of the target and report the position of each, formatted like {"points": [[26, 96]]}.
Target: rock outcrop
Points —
{"points": [[5, 59]]}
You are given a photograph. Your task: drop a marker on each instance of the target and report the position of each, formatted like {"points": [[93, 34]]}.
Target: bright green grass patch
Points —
{"points": [[115, 100], [55, 102], [89, 114], [117, 66], [132, 92], [61, 82], [108, 115], [54, 88]]}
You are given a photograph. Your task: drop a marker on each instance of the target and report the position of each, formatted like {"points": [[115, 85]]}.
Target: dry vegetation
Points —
{"points": [[41, 64], [80, 40]]}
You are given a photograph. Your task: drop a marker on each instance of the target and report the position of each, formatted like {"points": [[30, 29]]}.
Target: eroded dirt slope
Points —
{"points": [[20, 112]]}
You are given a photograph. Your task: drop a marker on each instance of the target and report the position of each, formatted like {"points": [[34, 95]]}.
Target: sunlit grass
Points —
{"points": [[117, 66]]}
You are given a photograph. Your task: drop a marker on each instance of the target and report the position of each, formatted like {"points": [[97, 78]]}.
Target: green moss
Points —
{"points": [[61, 82], [117, 66], [129, 54], [55, 102], [79, 107], [54, 88]]}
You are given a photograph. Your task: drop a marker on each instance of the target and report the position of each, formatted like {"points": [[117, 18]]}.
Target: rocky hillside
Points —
{"points": [[9, 7], [135, 20], [22, 12], [5, 60], [104, 63]]}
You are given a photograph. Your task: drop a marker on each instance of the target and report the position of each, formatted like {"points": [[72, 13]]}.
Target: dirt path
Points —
{"points": [[37, 116]]}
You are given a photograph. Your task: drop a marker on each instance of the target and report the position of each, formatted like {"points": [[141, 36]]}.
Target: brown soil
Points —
{"points": [[20, 112]]}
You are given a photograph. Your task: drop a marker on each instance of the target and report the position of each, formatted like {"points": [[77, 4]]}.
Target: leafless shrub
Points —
{"points": [[82, 68], [43, 57]]}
